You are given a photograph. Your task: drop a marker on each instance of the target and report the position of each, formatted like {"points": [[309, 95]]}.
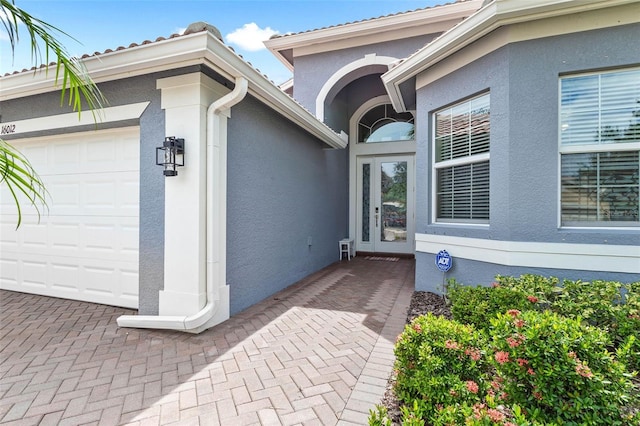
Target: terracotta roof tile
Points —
{"points": [[367, 20], [117, 49]]}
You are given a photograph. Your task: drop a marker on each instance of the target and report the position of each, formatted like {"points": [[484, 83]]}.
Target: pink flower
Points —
{"points": [[495, 415], [472, 386], [450, 344], [537, 395], [495, 284], [531, 372], [417, 328], [473, 353], [519, 323], [522, 362], [452, 392], [514, 312], [514, 343], [532, 299], [572, 355], [584, 371], [477, 410], [502, 357]]}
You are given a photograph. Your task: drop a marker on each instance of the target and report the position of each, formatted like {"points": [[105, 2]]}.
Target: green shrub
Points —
{"points": [[610, 305], [595, 302], [439, 363], [544, 289], [478, 305], [481, 415], [379, 416], [558, 368]]}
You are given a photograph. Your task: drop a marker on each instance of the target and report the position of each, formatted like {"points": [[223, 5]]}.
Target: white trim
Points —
{"points": [[487, 22], [195, 295], [368, 60], [599, 147], [73, 119], [392, 27], [201, 48], [357, 150], [581, 257]]}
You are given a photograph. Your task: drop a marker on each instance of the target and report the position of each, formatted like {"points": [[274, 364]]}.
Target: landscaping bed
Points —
{"points": [[591, 384]]}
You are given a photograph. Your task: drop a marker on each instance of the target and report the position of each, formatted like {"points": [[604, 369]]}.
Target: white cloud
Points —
{"points": [[250, 37]]}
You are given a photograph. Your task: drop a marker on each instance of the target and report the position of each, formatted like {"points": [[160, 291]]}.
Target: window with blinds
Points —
{"points": [[461, 161], [600, 149]]}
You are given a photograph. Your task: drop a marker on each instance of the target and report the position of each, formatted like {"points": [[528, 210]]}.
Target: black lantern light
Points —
{"points": [[170, 155]]}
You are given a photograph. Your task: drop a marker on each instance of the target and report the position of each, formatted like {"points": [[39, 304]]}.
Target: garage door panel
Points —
{"points": [[97, 194], [72, 278], [8, 271], [35, 273], [86, 246]]}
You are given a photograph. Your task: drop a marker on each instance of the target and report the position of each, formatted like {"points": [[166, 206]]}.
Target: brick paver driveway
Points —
{"points": [[319, 352]]}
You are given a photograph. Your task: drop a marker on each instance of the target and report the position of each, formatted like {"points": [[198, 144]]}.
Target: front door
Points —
{"points": [[384, 213]]}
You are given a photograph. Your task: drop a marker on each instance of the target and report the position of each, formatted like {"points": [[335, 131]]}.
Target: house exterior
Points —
{"points": [[467, 127], [528, 146], [257, 206]]}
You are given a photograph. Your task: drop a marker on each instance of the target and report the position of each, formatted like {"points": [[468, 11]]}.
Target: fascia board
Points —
{"points": [[179, 52], [143, 59], [494, 15], [385, 24], [267, 92]]}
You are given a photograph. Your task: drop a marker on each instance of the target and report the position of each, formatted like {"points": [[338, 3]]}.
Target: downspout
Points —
{"points": [[199, 321]]}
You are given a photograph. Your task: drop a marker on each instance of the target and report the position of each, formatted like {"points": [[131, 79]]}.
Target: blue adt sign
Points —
{"points": [[443, 260]]}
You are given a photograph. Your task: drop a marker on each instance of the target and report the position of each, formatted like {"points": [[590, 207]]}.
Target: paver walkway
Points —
{"points": [[320, 352]]}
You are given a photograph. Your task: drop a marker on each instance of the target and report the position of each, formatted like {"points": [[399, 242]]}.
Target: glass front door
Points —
{"points": [[385, 204]]}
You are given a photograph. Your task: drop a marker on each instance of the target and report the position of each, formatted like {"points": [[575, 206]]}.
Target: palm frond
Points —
{"points": [[77, 85], [20, 177]]}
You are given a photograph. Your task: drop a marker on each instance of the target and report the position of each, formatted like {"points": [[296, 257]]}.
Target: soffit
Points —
{"points": [[199, 48], [489, 19], [386, 28]]}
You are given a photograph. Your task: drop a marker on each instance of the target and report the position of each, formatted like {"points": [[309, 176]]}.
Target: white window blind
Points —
{"points": [[600, 149], [462, 141]]}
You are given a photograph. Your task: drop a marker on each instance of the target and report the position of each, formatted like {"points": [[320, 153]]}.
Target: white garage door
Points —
{"points": [[86, 246]]}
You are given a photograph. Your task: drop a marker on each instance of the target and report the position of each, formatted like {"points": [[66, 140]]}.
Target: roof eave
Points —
{"points": [[193, 49], [371, 26], [492, 16]]}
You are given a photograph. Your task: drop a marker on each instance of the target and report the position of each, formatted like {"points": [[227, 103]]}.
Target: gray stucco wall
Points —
{"points": [[523, 81], [151, 123], [284, 187], [312, 71]]}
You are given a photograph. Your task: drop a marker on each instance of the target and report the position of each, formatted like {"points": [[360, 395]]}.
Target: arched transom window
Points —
{"points": [[383, 124]]}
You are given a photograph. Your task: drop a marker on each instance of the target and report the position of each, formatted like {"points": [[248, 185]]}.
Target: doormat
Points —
{"points": [[386, 259]]}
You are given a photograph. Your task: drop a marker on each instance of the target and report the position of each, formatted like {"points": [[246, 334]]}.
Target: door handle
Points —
{"points": [[376, 220]]}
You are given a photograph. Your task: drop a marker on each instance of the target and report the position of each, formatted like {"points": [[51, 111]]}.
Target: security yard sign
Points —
{"points": [[443, 260]]}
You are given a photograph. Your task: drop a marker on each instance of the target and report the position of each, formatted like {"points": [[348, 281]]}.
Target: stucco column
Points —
{"points": [[185, 100]]}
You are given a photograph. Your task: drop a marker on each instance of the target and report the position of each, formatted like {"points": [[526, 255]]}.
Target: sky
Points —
{"points": [[98, 25]]}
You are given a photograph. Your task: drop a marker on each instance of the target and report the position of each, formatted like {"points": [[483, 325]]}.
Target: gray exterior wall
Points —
{"points": [[151, 123], [284, 187], [312, 71], [523, 81]]}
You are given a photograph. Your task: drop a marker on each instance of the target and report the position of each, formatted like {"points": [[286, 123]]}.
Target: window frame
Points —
{"points": [[388, 116], [459, 161], [590, 148]]}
